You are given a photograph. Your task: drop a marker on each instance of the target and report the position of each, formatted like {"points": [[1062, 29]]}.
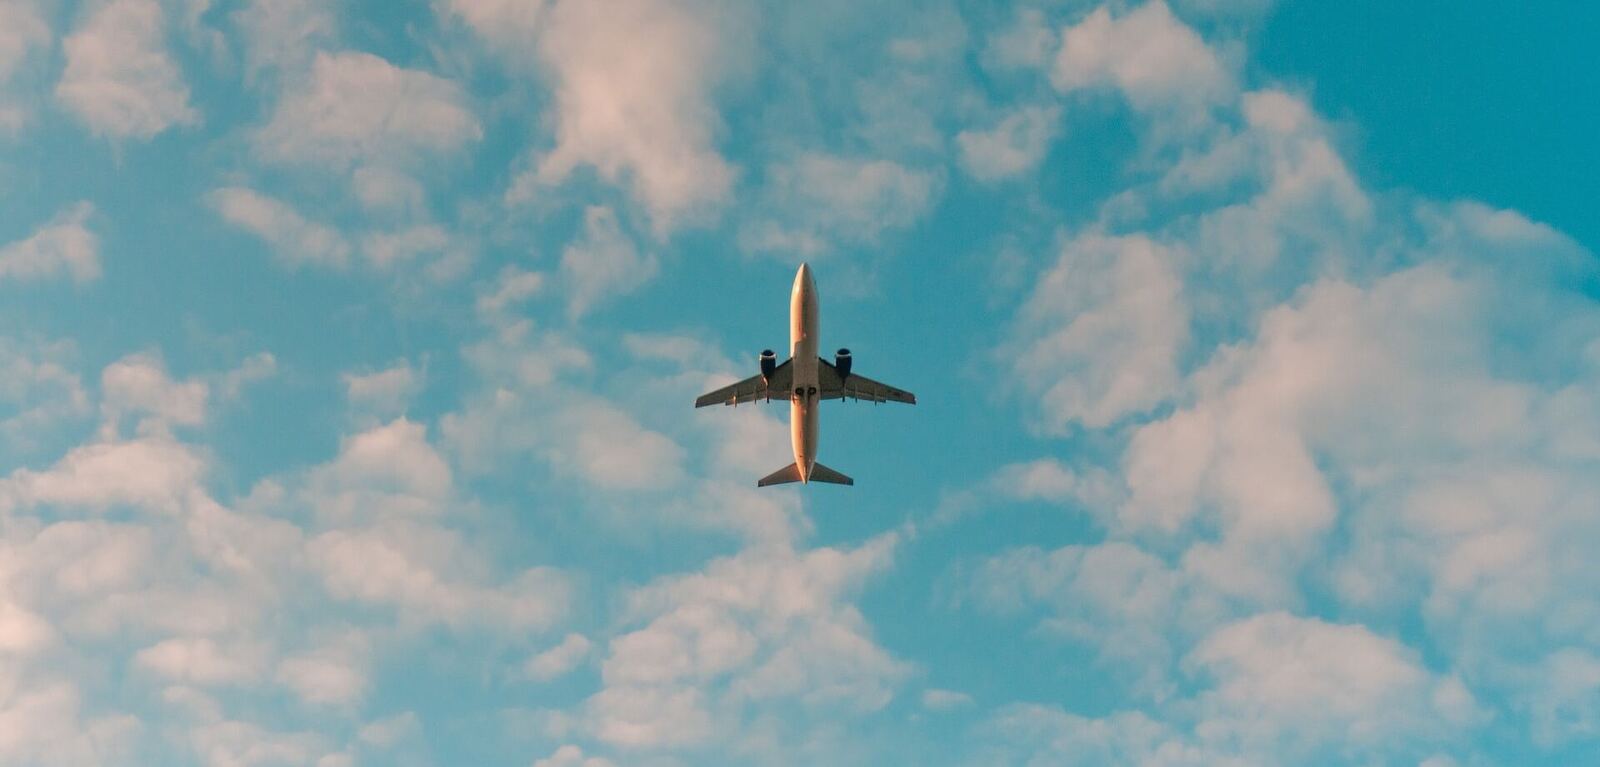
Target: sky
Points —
{"points": [[348, 353]]}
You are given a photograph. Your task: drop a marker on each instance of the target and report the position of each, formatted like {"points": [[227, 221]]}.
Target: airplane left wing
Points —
{"points": [[856, 386], [752, 389]]}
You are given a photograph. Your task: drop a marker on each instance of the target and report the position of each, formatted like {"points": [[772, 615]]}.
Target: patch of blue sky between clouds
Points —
{"points": [[348, 352]]}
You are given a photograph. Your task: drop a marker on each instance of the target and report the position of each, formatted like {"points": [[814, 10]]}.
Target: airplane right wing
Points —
{"points": [[752, 389], [857, 387]]}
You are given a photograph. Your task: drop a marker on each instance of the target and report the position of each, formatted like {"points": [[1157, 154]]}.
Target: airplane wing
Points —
{"points": [[752, 389], [856, 386]]}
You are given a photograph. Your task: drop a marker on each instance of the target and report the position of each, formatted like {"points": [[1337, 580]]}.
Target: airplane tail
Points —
{"points": [[791, 473]]}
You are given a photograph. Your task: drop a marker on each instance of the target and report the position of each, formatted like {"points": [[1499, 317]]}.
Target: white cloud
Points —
{"points": [[512, 286], [609, 449], [944, 700], [203, 661], [120, 80], [426, 575], [1027, 43], [633, 83], [22, 631], [231, 742], [154, 473], [819, 199], [356, 108], [139, 384], [1147, 53], [603, 264], [292, 238], [334, 673], [41, 390], [385, 392], [1016, 145], [387, 249], [281, 36], [572, 756], [44, 725], [1287, 685], [558, 660], [23, 30], [1036, 734], [65, 246], [765, 626], [385, 471], [386, 189], [1100, 335], [389, 732]]}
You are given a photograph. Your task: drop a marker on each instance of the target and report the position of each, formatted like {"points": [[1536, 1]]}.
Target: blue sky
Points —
{"points": [[347, 353]]}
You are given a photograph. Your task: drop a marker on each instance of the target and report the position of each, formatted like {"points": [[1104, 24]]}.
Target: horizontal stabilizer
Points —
{"points": [[783, 476], [820, 473], [791, 473]]}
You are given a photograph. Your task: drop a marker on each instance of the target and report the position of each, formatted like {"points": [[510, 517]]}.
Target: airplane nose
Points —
{"points": [[804, 275]]}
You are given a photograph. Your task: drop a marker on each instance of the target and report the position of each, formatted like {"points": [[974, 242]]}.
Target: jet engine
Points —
{"points": [[769, 363], [841, 360]]}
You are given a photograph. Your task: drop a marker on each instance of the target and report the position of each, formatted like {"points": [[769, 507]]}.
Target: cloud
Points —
{"points": [[558, 660], [512, 286], [944, 700], [1013, 147], [763, 627], [201, 661], [385, 471], [386, 392], [356, 108], [572, 756], [292, 238], [819, 199], [1288, 685], [603, 264], [332, 674], [44, 725], [120, 79], [1147, 53], [633, 82], [389, 250], [23, 30], [1099, 337], [281, 36], [41, 390], [63, 247], [139, 384], [423, 572], [153, 473]]}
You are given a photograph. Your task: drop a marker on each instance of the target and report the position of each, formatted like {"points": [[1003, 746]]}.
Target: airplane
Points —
{"points": [[805, 379]]}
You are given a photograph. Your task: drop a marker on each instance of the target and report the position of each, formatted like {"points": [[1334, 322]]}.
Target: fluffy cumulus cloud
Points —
{"points": [[820, 200], [764, 628], [1100, 336], [1012, 146], [292, 237], [356, 108], [633, 86], [23, 31], [62, 248], [120, 79], [1252, 463], [1332, 401], [605, 263], [1147, 53]]}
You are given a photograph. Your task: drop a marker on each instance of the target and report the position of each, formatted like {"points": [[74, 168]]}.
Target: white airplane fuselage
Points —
{"points": [[803, 399]]}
